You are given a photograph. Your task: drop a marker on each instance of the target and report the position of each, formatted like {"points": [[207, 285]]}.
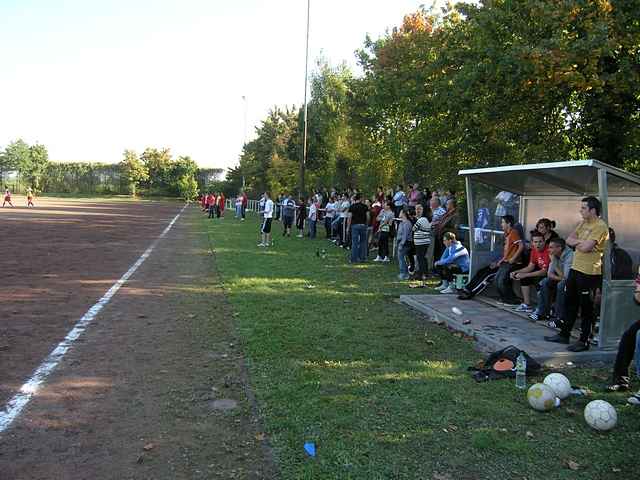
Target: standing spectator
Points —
{"points": [[342, 219], [238, 204], [403, 238], [313, 216], [589, 241], [415, 195], [561, 260], [534, 272], [399, 200], [211, 205], [421, 240], [454, 260], [437, 213], [358, 221], [266, 223], [245, 202], [329, 214], [511, 261], [380, 197], [288, 214], [302, 214], [385, 220], [629, 345], [376, 208], [278, 206], [221, 200]]}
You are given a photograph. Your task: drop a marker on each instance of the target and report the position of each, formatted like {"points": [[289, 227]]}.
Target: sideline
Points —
{"points": [[20, 400]]}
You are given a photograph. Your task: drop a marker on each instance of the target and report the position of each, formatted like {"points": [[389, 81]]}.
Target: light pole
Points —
{"points": [[246, 108], [306, 79]]}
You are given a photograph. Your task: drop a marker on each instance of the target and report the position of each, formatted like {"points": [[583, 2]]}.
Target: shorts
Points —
{"points": [[266, 226], [287, 221]]}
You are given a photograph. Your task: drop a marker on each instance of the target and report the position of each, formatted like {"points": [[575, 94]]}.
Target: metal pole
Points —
{"points": [[306, 79], [246, 107]]}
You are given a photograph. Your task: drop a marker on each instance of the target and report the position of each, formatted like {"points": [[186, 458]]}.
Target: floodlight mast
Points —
{"points": [[306, 80]]}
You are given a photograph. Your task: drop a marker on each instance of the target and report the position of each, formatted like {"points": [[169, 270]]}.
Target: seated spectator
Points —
{"points": [[454, 260], [621, 262], [534, 272], [403, 241], [629, 346], [511, 261], [546, 228], [561, 260]]}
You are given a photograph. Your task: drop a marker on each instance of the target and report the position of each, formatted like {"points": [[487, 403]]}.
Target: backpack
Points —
{"points": [[501, 364]]}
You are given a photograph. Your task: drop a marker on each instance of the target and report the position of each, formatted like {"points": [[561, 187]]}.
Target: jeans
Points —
{"points": [[238, 211], [421, 252], [447, 272], [503, 282], [336, 229], [544, 297], [358, 243], [312, 228], [578, 292], [327, 226], [629, 345], [402, 261]]}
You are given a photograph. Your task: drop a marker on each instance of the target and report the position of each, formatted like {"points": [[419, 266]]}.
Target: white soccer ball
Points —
{"points": [[559, 384], [541, 397], [600, 415]]}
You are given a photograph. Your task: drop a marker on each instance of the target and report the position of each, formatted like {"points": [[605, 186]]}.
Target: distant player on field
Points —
{"points": [[30, 198], [7, 197]]}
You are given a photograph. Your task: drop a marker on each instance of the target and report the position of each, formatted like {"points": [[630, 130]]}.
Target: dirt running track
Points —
{"points": [[144, 393]]}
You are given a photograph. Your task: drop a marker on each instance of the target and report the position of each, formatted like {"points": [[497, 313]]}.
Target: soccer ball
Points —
{"points": [[541, 397], [600, 415], [559, 384]]}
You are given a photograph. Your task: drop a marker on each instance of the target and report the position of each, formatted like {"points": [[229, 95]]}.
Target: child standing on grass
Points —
{"points": [[403, 242], [313, 217], [7, 197]]}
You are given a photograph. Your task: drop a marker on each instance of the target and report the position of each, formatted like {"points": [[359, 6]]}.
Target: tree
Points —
{"points": [[158, 165], [134, 171]]}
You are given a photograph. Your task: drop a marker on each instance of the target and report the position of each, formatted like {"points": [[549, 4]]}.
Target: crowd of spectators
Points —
{"points": [[421, 229]]}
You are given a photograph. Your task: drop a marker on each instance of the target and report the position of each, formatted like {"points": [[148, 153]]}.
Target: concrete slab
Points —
{"points": [[495, 327]]}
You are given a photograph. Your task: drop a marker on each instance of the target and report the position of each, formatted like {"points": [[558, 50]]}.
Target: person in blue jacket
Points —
{"points": [[454, 260]]}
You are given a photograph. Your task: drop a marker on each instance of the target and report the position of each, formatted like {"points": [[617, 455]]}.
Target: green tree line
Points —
{"points": [[468, 85], [154, 172]]}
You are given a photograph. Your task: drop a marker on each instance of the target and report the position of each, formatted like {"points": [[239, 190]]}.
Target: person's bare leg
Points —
{"points": [[526, 294]]}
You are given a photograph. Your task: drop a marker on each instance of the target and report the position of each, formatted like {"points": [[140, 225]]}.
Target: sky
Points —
{"points": [[89, 79]]}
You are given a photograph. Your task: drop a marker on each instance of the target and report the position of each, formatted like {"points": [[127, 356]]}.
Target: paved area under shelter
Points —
{"points": [[495, 327]]}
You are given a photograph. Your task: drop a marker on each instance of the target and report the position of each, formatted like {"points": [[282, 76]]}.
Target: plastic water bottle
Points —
{"points": [[521, 372]]}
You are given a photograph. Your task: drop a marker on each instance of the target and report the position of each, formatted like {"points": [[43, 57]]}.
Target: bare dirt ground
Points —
{"points": [[156, 387]]}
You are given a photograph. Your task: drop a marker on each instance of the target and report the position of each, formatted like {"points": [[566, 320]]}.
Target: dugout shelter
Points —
{"points": [[554, 190]]}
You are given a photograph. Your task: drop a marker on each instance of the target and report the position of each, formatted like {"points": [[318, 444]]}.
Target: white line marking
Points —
{"points": [[20, 400]]}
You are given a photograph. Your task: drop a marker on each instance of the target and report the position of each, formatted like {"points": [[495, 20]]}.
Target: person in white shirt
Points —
{"points": [[267, 214]]}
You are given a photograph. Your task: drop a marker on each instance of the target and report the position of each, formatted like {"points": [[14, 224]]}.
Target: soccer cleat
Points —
{"points": [[634, 399]]}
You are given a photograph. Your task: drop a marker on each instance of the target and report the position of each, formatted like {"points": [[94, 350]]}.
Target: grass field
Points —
{"points": [[335, 359]]}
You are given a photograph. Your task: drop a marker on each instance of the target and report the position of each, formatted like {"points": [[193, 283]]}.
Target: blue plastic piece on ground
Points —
{"points": [[310, 448]]}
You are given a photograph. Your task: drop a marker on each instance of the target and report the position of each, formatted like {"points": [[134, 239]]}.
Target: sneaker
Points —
{"points": [[261, 245], [386, 260], [403, 277], [634, 399], [377, 259], [524, 308], [442, 286], [448, 290], [535, 316], [300, 236]]}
